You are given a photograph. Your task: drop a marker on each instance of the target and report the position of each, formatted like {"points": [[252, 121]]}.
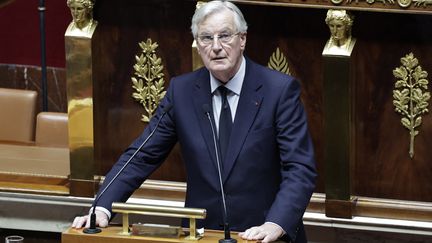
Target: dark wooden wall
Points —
{"points": [[168, 23], [382, 166], [117, 114]]}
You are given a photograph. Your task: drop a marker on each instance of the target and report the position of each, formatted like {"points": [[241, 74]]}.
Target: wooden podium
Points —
{"points": [[113, 235]]}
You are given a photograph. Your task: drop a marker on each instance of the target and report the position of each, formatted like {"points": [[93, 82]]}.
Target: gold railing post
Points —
{"points": [[192, 230], [125, 224]]}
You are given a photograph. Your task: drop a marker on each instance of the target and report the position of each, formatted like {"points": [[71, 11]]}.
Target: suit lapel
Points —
{"points": [[202, 96], [248, 106]]}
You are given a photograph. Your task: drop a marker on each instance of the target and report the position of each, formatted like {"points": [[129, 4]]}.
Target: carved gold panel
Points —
{"points": [[410, 95], [148, 81], [278, 62]]}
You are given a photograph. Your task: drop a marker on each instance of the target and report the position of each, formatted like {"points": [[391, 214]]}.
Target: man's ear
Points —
{"points": [[243, 40]]}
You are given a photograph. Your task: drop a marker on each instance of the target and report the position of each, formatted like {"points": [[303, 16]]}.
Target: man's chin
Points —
{"points": [[218, 69], [218, 66]]}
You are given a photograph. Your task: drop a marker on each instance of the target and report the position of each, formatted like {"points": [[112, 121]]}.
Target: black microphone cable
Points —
{"points": [[93, 229], [227, 238]]}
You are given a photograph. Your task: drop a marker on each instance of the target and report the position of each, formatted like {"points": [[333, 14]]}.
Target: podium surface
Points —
{"points": [[113, 235]]}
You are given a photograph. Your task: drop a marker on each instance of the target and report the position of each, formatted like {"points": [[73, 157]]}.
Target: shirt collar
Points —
{"points": [[234, 84]]}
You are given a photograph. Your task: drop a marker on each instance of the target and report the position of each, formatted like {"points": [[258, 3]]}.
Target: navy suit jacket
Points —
{"points": [[269, 173]]}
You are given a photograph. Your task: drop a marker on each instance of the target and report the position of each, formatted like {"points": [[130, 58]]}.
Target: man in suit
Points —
{"points": [[266, 154]]}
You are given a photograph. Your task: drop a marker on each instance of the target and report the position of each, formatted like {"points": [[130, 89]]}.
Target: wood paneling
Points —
{"points": [[117, 114], [382, 167]]}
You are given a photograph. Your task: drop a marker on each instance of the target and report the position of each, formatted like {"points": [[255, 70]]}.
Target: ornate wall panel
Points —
{"points": [[118, 116], [382, 167]]}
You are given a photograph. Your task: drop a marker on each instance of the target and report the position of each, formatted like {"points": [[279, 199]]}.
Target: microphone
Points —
{"points": [[227, 238], [93, 229]]}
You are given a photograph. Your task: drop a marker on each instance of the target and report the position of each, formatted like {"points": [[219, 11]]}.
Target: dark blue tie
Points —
{"points": [[225, 123]]}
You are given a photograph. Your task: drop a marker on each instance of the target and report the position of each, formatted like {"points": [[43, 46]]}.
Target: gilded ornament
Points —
{"points": [[149, 79], [279, 62], [336, 2], [401, 3], [83, 24], [340, 23], [374, 1], [423, 3], [410, 95], [404, 3]]}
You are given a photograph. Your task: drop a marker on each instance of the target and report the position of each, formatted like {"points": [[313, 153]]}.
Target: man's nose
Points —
{"points": [[216, 45]]}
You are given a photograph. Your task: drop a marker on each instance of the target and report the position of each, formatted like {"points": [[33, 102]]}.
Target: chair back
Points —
{"points": [[17, 115], [52, 129]]}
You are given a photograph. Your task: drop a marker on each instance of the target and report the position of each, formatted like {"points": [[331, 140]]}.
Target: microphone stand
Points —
{"points": [[227, 233], [93, 229], [41, 9]]}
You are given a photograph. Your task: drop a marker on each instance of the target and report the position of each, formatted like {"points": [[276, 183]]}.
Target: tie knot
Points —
{"points": [[223, 90]]}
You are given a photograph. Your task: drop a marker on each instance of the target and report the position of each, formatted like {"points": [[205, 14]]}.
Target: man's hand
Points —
{"points": [[267, 232], [101, 220]]}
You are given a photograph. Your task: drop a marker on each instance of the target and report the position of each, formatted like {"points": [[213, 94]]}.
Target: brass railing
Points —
{"points": [[163, 211]]}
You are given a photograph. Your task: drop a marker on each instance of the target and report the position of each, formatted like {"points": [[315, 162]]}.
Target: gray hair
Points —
{"points": [[213, 7]]}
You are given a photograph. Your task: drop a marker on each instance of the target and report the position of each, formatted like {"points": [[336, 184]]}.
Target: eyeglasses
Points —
{"points": [[224, 38]]}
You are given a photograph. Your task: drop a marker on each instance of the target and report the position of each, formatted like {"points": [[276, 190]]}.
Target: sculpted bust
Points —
{"points": [[339, 23], [82, 17]]}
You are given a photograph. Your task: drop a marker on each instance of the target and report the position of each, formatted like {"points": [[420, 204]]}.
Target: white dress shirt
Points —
{"points": [[234, 85]]}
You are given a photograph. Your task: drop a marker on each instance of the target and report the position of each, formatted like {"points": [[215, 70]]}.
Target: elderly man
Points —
{"points": [[263, 146]]}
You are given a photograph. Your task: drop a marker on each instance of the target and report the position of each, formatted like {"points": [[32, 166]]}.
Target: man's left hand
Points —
{"points": [[265, 233]]}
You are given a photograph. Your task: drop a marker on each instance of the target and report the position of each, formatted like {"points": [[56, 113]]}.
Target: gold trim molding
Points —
{"points": [[149, 79], [410, 95]]}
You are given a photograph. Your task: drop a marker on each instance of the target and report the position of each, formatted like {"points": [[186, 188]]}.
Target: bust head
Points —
{"points": [[339, 23], [81, 11]]}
